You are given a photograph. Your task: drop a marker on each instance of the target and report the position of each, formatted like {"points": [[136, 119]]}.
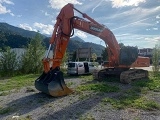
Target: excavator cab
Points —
{"points": [[52, 83]]}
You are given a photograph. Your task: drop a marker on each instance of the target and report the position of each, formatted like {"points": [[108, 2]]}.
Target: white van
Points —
{"points": [[79, 68]]}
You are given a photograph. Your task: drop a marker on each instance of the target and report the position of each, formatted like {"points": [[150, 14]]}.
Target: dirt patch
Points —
{"points": [[28, 103]]}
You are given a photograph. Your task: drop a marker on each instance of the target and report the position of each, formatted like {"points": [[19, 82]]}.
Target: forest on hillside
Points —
{"points": [[15, 37]]}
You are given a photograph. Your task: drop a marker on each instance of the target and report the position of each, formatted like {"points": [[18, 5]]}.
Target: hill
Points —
{"points": [[6, 28], [17, 38], [74, 43], [77, 42]]}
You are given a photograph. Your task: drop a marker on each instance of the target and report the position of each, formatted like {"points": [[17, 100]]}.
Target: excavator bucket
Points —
{"points": [[52, 83]]}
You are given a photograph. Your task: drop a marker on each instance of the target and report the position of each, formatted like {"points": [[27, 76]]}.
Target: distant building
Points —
{"points": [[145, 52]]}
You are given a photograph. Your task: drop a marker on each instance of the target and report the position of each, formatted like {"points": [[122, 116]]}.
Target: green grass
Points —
{"points": [[153, 83], [132, 98], [132, 101], [87, 117], [5, 93], [136, 97], [98, 87], [69, 84], [18, 82], [28, 117], [86, 78]]}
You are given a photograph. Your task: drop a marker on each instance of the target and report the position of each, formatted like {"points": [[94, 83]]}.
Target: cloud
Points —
{"points": [[157, 38], [152, 39], [97, 5], [130, 24], [133, 12], [158, 16], [80, 34], [53, 21], [142, 41], [122, 35], [19, 16], [46, 14], [58, 4], [144, 15], [3, 9], [7, 2], [44, 29], [123, 3], [12, 14], [143, 19], [155, 28], [26, 27]]}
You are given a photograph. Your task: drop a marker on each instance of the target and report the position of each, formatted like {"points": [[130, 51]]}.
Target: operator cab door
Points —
{"points": [[86, 67]]}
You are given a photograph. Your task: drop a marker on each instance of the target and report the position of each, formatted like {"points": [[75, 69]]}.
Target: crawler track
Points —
{"points": [[126, 76], [133, 74]]}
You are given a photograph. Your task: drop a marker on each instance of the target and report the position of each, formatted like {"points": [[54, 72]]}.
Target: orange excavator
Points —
{"points": [[120, 59]]}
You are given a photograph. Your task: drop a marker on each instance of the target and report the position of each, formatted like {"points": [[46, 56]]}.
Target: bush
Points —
{"points": [[155, 59], [31, 61], [8, 62]]}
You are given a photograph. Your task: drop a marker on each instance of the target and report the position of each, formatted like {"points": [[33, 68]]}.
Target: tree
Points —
{"points": [[32, 58], [104, 54], [94, 57], [74, 56], [8, 62], [121, 45], [64, 60], [2, 40], [155, 58]]}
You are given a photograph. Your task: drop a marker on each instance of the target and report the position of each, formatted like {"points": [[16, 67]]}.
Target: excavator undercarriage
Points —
{"points": [[125, 76], [133, 74]]}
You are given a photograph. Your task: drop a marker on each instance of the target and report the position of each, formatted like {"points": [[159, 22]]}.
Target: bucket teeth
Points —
{"points": [[52, 83]]}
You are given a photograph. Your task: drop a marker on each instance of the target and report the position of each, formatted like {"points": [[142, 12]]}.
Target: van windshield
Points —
{"points": [[71, 64]]}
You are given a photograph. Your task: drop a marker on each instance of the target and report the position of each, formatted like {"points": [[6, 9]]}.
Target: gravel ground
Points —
{"points": [[30, 104]]}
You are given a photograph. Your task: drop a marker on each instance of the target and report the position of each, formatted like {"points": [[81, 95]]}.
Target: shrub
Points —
{"points": [[8, 62]]}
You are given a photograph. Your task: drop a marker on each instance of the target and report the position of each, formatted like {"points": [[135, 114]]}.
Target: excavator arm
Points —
{"points": [[63, 30], [60, 38], [52, 81]]}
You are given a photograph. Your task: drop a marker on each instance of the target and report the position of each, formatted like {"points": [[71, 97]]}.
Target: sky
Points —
{"points": [[133, 22]]}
